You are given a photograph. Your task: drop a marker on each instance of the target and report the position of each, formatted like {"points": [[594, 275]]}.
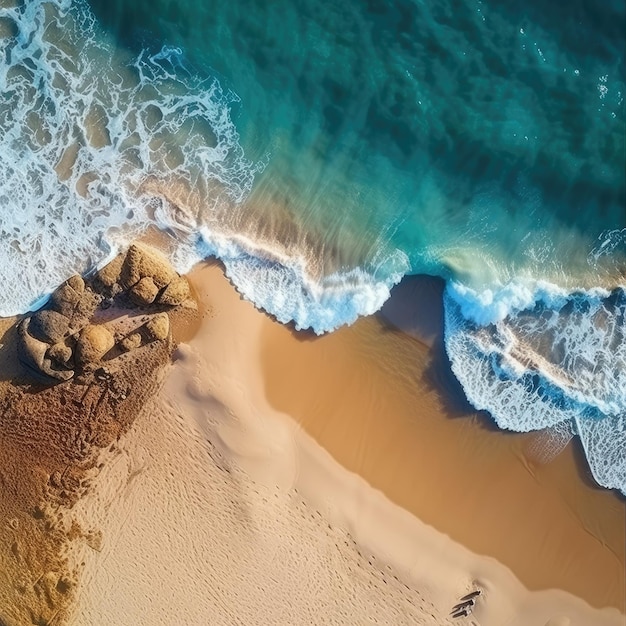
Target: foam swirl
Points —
{"points": [[83, 128], [546, 357]]}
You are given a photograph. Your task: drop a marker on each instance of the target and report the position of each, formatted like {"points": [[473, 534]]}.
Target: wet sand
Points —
{"points": [[221, 509], [380, 397]]}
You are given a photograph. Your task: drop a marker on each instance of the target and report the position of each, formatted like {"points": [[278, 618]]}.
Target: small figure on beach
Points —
{"points": [[465, 605]]}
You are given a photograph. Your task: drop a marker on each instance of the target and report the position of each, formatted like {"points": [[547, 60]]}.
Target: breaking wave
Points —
{"points": [[535, 356], [85, 129]]}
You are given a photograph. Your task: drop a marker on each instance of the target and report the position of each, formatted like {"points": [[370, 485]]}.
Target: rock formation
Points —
{"points": [[66, 336], [93, 342], [144, 291], [176, 292], [33, 354], [141, 262], [49, 326], [75, 375], [158, 327]]}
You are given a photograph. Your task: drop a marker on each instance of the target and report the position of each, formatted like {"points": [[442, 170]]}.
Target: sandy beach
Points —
{"points": [[294, 471], [434, 191], [390, 410], [282, 478]]}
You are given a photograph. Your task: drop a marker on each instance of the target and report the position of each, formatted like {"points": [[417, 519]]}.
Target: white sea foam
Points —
{"points": [[284, 287], [537, 358], [82, 129], [90, 144], [90, 141], [604, 442], [494, 304]]}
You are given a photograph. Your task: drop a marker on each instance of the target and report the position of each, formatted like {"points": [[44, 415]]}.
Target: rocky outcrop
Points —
{"points": [[72, 332], [75, 376], [49, 326], [144, 292], [147, 278], [65, 300], [141, 262], [176, 292], [109, 275], [33, 354], [75, 301]]}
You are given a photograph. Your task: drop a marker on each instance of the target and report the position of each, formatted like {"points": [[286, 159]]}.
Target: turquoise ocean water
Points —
{"points": [[325, 149]]}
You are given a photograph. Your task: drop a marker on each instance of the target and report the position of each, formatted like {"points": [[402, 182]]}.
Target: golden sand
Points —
{"points": [[220, 508], [279, 477], [386, 406]]}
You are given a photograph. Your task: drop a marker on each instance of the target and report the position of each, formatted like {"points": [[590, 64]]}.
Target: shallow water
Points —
{"points": [[323, 150]]}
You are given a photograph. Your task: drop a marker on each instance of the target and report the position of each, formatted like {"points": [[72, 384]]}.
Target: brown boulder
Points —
{"points": [[68, 294], [85, 308], [76, 282], [140, 262], [49, 326], [32, 354], [158, 327], [109, 275], [131, 342], [74, 301], [93, 343], [176, 292], [64, 300], [60, 353], [144, 292]]}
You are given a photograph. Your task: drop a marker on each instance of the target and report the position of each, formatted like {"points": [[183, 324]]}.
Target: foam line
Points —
{"points": [[283, 286]]}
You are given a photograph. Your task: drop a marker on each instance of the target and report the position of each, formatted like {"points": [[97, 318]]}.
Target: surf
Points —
{"points": [[86, 127], [100, 144]]}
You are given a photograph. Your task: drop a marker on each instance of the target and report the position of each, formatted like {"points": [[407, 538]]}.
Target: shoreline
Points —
{"points": [[479, 484], [214, 428], [267, 441]]}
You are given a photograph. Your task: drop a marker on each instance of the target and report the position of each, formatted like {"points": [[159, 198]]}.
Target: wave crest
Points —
{"points": [[544, 358], [283, 286]]}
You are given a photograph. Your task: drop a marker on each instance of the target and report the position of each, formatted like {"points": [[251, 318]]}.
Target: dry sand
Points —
{"points": [[218, 508]]}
